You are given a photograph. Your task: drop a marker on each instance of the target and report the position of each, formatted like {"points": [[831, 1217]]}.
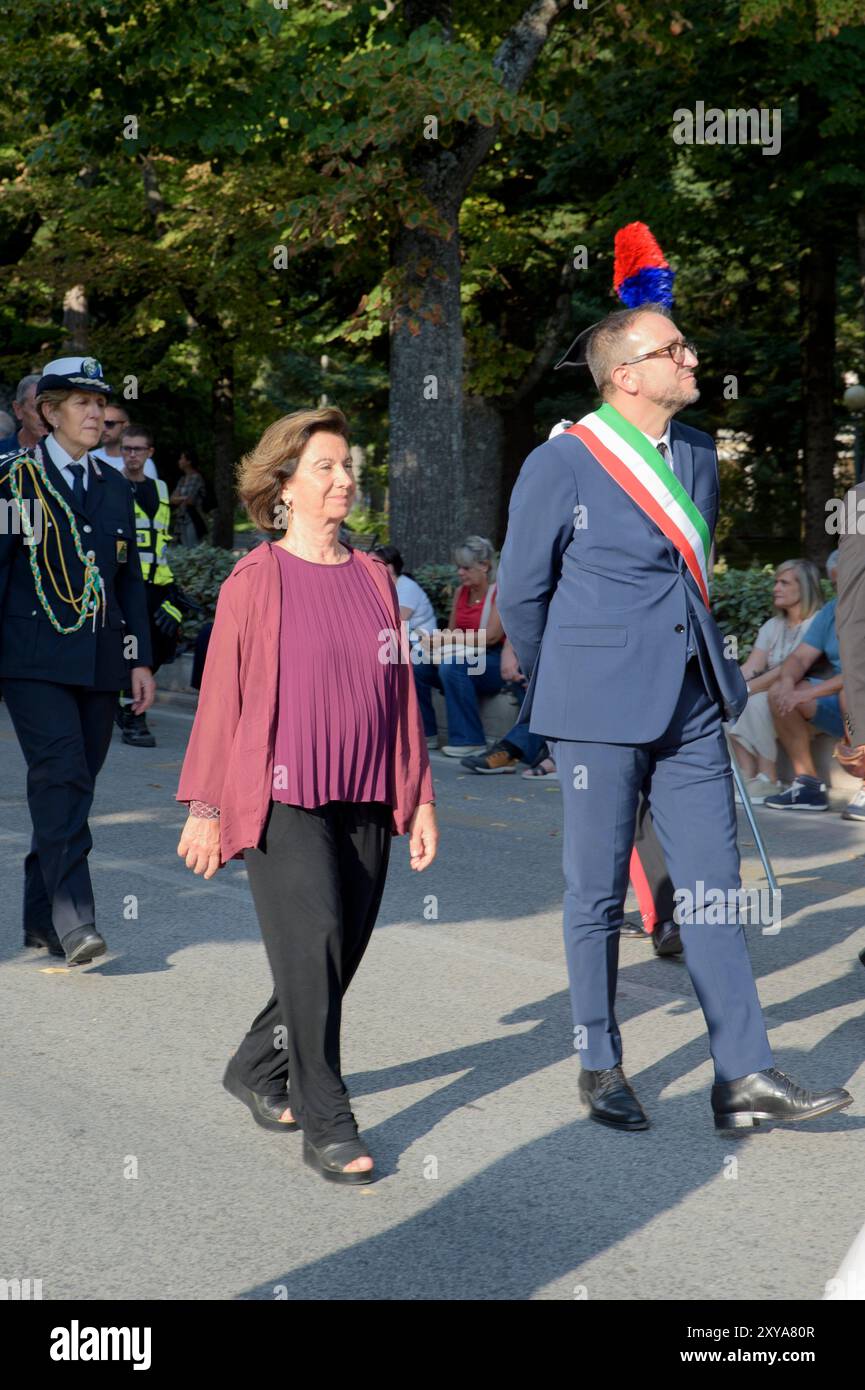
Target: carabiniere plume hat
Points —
{"points": [[641, 275], [73, 374]]}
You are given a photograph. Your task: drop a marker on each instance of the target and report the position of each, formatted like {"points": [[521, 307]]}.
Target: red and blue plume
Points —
{"points": [[642, 273]]}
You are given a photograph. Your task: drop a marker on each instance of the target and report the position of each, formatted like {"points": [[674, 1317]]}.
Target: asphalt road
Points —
{"points": [[129, 1173]]}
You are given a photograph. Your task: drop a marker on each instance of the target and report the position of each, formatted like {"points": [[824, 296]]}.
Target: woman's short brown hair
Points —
{"points": [[262, 473], [49, 398]]}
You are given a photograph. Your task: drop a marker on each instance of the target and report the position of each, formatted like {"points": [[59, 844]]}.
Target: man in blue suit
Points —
{"points": [[603, 591]]}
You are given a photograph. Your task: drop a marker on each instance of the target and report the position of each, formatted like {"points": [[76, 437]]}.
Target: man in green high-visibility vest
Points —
{"points": [[152, 534]]}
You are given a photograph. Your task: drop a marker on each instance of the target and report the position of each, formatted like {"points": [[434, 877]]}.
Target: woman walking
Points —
{"points": [[307, 754]]}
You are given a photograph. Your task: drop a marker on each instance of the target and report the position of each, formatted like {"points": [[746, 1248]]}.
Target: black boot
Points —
{"points": [[136, 732]]}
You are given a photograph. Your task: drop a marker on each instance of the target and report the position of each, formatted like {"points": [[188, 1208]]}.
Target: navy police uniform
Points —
{"points": [[61, 689]]}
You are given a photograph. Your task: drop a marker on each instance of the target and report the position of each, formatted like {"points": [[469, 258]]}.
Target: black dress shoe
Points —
{"points": [[265, 1110], [82, 945], [632, 929], [611, 1100], [39, 937], [666, 939], [770, 1097]]}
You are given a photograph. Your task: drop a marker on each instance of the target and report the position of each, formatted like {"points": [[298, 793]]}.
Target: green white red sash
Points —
{"points": [[634, 463]]}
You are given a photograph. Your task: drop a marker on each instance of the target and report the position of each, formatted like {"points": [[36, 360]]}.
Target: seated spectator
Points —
{"points": [[415, 606], [801, 706], [473, 610], [797, 597], [519, 744]]}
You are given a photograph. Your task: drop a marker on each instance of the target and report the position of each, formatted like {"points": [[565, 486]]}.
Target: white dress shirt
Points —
{"points": [[59, 456]]}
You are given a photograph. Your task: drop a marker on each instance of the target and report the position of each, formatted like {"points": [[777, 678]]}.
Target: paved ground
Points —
{"points": [[128, 1173]]}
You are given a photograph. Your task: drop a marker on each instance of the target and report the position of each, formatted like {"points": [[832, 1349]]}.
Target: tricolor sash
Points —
{"points": [[634, 463]]}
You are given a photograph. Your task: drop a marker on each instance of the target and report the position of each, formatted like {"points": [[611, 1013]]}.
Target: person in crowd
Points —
{"points": [[188, 497], [803, 705], [73, 632], [8, 432], [797, 597], [30, 427], [306, 755], [415, 606], [519, 745], [152, 533], [111, 450], [465, 666], [629, 676], [850, 626]]}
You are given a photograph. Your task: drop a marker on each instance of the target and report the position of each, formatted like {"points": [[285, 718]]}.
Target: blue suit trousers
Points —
{"points": [[685, 775]]}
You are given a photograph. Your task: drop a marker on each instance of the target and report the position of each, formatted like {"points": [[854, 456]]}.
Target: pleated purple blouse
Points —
{"points": [[337, 707]]}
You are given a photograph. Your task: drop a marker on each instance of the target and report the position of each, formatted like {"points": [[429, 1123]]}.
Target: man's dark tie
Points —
{"points": [[77, 469], [665, 455]]}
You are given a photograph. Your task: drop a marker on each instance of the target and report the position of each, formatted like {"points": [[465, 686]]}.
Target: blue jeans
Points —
{"points": [[527, 744], [461, 691]]}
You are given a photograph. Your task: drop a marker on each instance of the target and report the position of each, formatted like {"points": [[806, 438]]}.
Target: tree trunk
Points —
{"points": [[428, 467], [483, 450], [426, 374], [222, 420], [76, 319], [817, 308]]}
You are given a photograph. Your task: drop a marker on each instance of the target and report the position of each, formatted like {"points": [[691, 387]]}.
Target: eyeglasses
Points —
{"points": [[676, 350], [112, 423], [134, 448]]}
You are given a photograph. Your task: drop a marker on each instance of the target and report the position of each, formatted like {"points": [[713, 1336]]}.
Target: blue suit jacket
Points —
{"points": [[599, 612]]}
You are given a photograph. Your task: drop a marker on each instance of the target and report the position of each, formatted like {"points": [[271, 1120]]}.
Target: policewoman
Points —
{"points": [[73, 633], [152, 534]]}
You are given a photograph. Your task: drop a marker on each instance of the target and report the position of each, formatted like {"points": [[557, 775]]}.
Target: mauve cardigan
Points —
{"points": [[229, 757]]}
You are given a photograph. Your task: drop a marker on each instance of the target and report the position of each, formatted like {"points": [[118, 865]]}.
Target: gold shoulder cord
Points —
{"points": [[92, 594]]}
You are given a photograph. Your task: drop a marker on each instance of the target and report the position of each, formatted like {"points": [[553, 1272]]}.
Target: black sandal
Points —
{"points": [[331, 1159], [265, 1110]]}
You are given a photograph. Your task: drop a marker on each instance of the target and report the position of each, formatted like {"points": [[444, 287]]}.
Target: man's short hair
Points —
{"points": [[606, 350], [137, 432], [24, 386]]}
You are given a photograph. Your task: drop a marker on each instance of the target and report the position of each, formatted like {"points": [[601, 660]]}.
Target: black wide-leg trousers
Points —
{"points": [[65, 733], [317, 878]]}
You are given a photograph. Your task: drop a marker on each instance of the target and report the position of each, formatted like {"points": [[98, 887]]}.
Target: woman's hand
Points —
{"points": [[423, 836], [199, 845]]}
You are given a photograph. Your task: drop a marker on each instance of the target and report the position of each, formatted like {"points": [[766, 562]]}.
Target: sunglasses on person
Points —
{"points": [[111, 423], [676, 350], [134, 448]]}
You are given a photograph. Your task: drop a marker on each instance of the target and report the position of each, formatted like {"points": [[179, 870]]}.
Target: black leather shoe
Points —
{"points": [[611, 1100], [82, 945], [635, 931], [666, 939], [39, 937], [770, 1097], [265, 1110]]}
